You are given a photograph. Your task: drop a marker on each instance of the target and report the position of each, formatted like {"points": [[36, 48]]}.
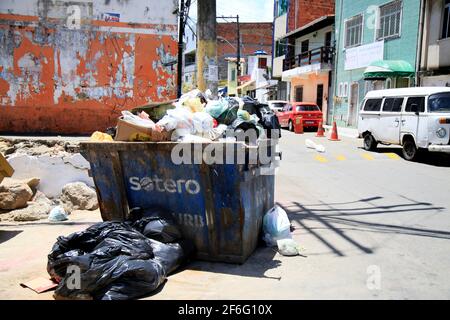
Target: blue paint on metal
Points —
{"points": [[219, 206]]}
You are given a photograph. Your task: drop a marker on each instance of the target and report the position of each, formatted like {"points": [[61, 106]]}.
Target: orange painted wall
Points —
{"points": [[309, 83], [59, 81]]}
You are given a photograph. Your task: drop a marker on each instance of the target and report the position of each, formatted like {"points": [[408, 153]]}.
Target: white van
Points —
{"points": [[415, 118]]}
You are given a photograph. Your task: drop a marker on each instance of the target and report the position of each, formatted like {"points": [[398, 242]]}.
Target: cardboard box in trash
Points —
{"points": [[5, 168], [127, 131]]}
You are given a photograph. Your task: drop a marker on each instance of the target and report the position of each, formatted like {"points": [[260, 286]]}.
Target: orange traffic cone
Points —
{"points": [[320, 130], [298, 125], [334, 133]]}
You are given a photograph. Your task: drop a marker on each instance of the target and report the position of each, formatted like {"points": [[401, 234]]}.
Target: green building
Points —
{"points": [[377, 43]]}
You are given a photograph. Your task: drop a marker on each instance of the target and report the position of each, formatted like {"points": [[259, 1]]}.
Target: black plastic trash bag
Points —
{"points": [[156, 224], [114, 261]]}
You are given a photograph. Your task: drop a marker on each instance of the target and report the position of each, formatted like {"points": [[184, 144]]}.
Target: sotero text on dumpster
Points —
{"points": [[160, 185]]}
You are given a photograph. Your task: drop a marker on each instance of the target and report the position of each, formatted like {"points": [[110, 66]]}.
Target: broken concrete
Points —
{"points": [[78, 196], [34, 211], [55, 171], [14, 194]]}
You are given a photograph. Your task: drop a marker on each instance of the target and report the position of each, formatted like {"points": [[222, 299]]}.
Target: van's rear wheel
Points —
{"points": [[409, 150], [370, 144]]}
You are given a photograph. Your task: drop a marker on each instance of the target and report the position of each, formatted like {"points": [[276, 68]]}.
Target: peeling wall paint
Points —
{"points": [[54, 79]]}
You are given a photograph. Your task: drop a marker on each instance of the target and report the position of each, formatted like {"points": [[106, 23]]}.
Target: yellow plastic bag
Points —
{"points": [[98, 136], [194, 104]]}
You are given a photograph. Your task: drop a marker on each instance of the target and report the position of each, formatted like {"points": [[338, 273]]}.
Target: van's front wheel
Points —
{"points": [[370, 144], [409, 150]]}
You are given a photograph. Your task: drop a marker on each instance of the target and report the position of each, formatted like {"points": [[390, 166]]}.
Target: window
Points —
{"points": [[281, 47], [299, 94], [393, 105], [446, 20], [328, 39], [262, 63], [439, 102], [307, 108], [345, 91], [373, 105], [282, 6], [415, 104], [233, 75], [305, 46], [353, 31], [390, 20]]}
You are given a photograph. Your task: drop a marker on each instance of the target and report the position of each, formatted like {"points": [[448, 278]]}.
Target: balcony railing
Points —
{"points": [[319, 55]]}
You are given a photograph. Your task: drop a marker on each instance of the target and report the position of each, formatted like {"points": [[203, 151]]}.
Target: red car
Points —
{"points": [[310, 113]]}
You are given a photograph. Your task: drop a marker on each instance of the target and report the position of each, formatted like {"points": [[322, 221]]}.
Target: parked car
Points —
{"points": [[415, 118], [310, 113], [277, 105]]}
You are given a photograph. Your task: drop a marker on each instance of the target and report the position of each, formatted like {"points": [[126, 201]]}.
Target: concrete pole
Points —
{"points": [[207, 66]]}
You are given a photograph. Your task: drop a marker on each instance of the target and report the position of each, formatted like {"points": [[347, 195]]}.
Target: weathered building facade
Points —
{"points": [[291, 16], [376, 48], [254, 36], [435, 46], [70, 67]]}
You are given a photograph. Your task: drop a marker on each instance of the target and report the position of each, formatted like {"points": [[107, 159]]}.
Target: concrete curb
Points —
{"points": [[345, 132]]}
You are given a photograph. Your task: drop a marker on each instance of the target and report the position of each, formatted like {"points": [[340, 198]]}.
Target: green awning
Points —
{"points": [[389, 69]]}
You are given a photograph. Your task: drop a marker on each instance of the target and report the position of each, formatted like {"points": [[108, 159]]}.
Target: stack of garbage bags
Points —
{"points": [[197, 118], [118, 260]]}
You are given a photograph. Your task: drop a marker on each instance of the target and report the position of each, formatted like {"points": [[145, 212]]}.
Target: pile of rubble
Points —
{"points": [[46, 177]]}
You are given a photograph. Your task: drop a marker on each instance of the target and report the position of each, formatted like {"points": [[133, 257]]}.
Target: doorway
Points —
{"points": [[299, 94], [319, 97]]}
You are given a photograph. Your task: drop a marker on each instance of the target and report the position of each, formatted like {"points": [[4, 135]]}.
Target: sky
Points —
{"points": [[248, 10]]}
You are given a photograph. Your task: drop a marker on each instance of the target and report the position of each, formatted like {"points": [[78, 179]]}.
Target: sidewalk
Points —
{"points": [[345, 132]]}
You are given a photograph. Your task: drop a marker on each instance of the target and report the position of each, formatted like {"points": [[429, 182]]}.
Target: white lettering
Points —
{"points": [[170, 186], [196, 185], [147, 184], [164, 185], [135, 185]]}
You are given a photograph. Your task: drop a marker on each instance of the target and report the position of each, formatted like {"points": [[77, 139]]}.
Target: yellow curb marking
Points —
{"points": [[341, 158], [321, 159], [393, 156], [367, 156]]}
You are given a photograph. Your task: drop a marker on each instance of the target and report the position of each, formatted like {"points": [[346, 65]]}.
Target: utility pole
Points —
{"points": [[207, 66], [180, 49], [238, 47], [238, 63]]}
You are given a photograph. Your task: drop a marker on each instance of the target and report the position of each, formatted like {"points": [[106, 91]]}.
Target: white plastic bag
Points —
{"points": [[203, 122], [137, 120], [310, 144], [276, 226], [277, 232], [179, 119]]}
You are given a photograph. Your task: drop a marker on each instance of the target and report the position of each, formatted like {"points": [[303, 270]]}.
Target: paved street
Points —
{"points": [[358, 216]]}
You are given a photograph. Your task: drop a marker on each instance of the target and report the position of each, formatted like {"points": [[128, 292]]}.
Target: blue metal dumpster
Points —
{"points": [[218, 206]]}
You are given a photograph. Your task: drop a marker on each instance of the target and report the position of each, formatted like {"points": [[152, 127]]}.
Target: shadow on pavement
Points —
{"points": [[6, 235], [437, 159], [256, 265], [340, 219]]}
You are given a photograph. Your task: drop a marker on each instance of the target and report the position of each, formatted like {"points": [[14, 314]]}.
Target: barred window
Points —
{"points": [[353, 31], [390, 20], [446, 20]]}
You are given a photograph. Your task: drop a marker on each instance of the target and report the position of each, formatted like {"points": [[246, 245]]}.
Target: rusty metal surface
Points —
{"points": [[219, 206], [56, 79]]}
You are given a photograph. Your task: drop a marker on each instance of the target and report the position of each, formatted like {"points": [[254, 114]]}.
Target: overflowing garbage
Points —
{"points": [[195, 117], [118, 260]]}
